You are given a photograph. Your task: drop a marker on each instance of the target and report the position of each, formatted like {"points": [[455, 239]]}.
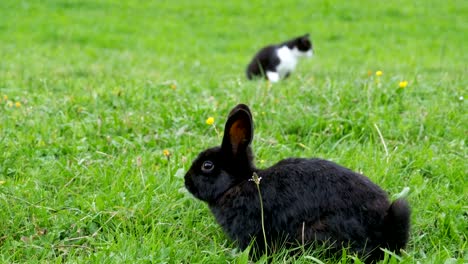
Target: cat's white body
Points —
{"points": [[288, 61], [275, 62]]}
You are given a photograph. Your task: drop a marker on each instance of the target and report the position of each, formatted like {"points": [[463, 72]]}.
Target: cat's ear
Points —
{"points": [[305, 41]]}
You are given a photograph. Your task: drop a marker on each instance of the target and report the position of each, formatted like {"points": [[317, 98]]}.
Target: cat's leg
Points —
{"points": [[272, 76]]}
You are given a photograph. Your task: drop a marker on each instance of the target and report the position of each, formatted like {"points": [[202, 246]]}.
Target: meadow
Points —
{"points": [[103, 106]]}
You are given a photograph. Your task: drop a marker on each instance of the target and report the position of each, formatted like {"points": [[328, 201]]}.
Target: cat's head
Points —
{"points": [[304, 46]]}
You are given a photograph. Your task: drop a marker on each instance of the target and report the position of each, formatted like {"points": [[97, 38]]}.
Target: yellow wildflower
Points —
{"points": [[2, 182], [209, 121], [5, 97], [18, 104], [173, 86], [166, 153], [378, 73], [403, 84]]}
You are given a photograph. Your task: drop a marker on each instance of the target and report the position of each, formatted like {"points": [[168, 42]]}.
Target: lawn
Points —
{"points": [[103, 107]]}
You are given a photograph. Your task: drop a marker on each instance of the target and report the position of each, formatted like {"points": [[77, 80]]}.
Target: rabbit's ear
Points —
{"points": [[239, 107], [238, 132]]}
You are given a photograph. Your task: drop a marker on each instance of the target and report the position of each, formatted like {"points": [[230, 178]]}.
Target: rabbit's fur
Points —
{"points": [[304, 200]]}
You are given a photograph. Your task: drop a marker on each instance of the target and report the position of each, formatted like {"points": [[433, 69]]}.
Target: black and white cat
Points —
{"points": [[275, 62]]}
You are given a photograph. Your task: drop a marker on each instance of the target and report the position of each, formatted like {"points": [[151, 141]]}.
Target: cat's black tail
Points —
{"points": [[397, 225]]}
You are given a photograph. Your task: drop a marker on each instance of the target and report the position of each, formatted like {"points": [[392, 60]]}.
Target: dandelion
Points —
{"points": [[403, 84], [18, 104], [209, 121], [173, 86], [378, 73], [5, 97], [257, 180], [166, 153]]}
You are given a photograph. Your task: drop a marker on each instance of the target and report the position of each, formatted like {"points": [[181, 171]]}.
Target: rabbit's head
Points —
{"points": [[217, 169]]}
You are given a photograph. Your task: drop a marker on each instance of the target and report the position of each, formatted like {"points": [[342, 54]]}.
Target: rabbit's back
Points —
{"points": [[315, 199], [306, 200]]}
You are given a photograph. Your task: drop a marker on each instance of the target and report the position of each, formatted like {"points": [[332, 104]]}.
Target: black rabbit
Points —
{"points": [[304, 200]]}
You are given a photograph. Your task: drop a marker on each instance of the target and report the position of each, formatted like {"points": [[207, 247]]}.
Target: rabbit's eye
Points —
{"points": [[207, 166]]}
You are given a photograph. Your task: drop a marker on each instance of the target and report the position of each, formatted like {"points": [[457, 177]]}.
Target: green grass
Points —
{"points": [[83, 177]]}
